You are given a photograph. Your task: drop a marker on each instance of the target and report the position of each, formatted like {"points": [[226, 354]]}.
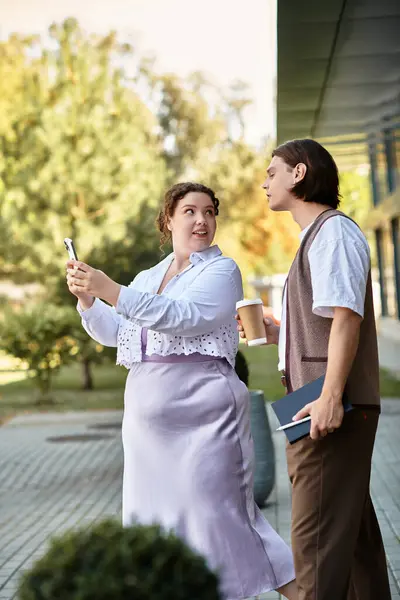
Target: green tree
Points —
{"points": [[356, 194], [39, 335], [203, 129], [86, 152], [80, 157], [80, 153], [237, 100], [190, 115], [262, 241]]}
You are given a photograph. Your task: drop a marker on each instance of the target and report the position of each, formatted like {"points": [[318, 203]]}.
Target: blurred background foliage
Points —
{"points": [[90, 138]]}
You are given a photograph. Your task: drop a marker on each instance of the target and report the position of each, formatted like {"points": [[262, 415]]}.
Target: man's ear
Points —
{"points": [[299, 172], [169, 225]]}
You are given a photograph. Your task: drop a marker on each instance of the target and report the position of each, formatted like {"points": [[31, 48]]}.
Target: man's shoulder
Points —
{"points": [[340, 228]]}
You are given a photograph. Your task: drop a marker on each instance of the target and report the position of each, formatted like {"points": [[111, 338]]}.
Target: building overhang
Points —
{"points": [[338, 75]]}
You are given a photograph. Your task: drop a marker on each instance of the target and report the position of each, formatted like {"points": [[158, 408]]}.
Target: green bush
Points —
{"points": [[109, 562], [39, 336], [44, 336]]}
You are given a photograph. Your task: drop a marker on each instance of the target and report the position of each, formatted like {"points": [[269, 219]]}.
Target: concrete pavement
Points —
{"points": [[63, 470]]}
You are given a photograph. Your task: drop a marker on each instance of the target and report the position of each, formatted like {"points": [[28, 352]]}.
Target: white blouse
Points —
{"points": [[194, 313]]}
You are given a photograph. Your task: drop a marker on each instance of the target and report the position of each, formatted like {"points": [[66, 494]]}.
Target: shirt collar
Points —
{"points": [[204, 255], [195, 258]]}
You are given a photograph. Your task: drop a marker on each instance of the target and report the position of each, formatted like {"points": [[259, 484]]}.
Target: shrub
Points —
{"points": [[39, 336], [109, 562]]}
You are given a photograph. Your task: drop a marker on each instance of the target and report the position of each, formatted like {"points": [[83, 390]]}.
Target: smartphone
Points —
{"points": [[69, 244]]}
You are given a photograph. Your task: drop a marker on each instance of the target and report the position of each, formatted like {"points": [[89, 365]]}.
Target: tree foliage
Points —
{"points": [[39, 336], [91, 136], [80, 152]]}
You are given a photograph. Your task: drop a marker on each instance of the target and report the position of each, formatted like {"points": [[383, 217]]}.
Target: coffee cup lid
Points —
{"points": [[242, 303]]}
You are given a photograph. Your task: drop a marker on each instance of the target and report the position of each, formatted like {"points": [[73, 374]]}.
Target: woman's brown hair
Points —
{"points": [[171, 199]]}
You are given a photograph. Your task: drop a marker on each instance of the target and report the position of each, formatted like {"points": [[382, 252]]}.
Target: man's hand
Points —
{"points": [[326, 415], [83, 279], [327, 412]]}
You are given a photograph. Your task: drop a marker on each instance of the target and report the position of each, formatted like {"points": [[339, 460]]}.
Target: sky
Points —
{"points": [[226, 39]]}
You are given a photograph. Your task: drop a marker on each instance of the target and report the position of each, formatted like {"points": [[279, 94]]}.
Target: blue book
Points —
{"points": [[289, 405]]}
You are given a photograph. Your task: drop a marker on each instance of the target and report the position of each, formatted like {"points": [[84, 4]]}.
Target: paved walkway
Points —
{"points": [[59, 471], [385, 490]]}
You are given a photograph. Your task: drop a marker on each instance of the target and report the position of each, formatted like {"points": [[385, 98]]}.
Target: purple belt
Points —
{"points": [[173, 358]]}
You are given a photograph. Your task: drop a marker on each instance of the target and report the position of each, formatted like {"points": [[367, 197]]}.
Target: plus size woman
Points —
{"points": [[186, 431]]}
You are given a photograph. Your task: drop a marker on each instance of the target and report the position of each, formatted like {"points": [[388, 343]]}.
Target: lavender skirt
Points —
{"points": [[189, 466]]}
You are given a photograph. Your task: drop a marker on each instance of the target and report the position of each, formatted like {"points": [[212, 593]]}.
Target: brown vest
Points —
{"points": [[307, 335]]}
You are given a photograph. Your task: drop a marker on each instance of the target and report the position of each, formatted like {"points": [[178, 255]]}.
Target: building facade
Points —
{"points": [[338, 81], [384, 156]]}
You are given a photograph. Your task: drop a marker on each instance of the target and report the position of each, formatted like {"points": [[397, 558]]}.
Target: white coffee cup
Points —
{"points": [[252, 318]]}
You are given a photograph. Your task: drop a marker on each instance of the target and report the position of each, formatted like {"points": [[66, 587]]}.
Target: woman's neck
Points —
{"points": [[181, 261]]}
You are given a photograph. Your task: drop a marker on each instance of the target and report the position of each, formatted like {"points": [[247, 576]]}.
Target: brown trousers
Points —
{"points": [[336, 540]]}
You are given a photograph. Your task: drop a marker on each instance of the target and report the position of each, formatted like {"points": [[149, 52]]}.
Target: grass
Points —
{"points": [[19, 396], [263, 366], [263, 363]]}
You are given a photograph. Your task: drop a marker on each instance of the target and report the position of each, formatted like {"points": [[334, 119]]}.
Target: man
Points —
{"points": [[328, 328]]}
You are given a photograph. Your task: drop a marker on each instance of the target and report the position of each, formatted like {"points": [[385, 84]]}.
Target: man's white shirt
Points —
{"points": [[339, 262]]}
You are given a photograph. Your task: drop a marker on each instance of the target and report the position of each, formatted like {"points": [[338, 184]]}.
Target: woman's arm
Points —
{"points": [[101, 322], [207, 303]]}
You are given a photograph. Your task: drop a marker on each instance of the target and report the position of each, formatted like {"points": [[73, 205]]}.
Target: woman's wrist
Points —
{"points": [[85, 301], [111, 293]]}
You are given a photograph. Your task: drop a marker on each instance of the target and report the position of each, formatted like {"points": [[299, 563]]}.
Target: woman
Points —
{"points": [[186, 431]]}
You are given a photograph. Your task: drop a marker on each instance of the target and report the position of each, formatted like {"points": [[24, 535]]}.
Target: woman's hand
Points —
{"points": [[271, 330], [84, 281], [85, 300]]}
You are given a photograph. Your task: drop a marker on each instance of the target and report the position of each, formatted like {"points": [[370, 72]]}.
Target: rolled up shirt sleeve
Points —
{"points": [[339, 274], [205, 305]]}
